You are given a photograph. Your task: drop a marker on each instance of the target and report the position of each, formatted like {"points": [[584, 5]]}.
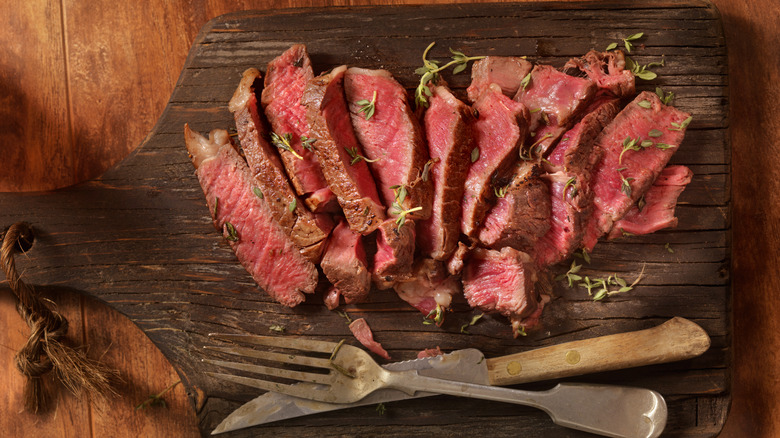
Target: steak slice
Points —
{"points": [[657, 205], [625, 172], [499, 130], [522, 212], [261, 245], [285, 80], [330, 124], [607, 70], [305, 231], [394, 252], [429, 286], [502, 282], [391, 138], [505, 71], [363, 333], [572, 163], [450, 134], [555, 100], [344, 264]]}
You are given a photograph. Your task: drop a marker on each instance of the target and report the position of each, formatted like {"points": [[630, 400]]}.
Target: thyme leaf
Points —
{"points": [[216, 205], [381, 408], [276, 328], [655, 133], [293, 204], [257, 192], [500, 192], [283, 142], [571, 275], [232, 234], [666, 98], [627, 40], [474, 319], [629, 144], [526, 81], [435, 316], [611, 46], [367, 107], [475, 154], [625, 185], [307, 142], [680, 126], [669, 248], [397, 207], [427, 168], [645, 104], [572, 182]]}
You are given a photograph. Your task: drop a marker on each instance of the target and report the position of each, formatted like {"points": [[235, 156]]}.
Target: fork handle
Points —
{"points": [[604, 409], [676, 339]]}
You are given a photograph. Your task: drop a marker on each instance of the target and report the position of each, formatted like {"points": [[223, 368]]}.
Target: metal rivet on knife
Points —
{"points": [[572, 357], [514, 368]]}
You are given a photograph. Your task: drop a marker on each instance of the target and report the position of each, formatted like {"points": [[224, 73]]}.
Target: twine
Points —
{"points": [[44, 350]]}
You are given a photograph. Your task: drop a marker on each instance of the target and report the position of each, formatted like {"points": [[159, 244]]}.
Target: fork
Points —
{"points": [[349, 374]]}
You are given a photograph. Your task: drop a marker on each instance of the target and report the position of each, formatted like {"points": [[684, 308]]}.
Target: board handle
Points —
{"points": [[676, 339]]}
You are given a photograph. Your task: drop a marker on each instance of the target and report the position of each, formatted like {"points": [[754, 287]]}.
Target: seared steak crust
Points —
{"points": [[270, 179], [344, 264], [330, 124]]}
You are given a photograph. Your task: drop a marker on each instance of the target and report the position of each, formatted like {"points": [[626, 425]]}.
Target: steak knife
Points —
{"points": [[676, 339]]}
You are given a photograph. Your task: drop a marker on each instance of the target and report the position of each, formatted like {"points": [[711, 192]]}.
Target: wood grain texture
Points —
{"points": [[139, 237], [755, 134]]}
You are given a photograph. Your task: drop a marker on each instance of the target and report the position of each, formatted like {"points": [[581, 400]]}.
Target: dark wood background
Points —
{"points": [[106, 83]]}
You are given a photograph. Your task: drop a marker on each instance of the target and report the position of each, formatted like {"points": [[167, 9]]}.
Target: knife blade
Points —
{"points": [[676, 339]]}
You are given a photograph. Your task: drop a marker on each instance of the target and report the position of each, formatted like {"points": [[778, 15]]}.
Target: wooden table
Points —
{"points": [[83, 83]]}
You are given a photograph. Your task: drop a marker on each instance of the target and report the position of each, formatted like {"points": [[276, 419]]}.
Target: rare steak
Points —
{"points": [[450, 134], [655, 210], [305, 230], [285, 80], [344, 264], [351, 181], [394, 252], [246, 221], [522, 212], [505, 71], [499, 131], [429, 286], [502, 282], [636, 147], [607, 70], [391, 138]]}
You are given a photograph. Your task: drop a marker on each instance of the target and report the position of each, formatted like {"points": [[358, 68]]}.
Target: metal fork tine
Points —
{"points": [[281, 342], [298, 390], [295, 359], [301, 376]]}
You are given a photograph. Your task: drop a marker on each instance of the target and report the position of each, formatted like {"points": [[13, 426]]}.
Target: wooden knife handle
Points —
{"points": [[676, 339]]}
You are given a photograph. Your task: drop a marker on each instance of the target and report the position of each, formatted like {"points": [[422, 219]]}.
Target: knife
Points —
{"points": [[676, 339]]}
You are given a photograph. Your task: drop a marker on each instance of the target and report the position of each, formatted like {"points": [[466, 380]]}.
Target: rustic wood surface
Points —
{"points": [[112, 78]]}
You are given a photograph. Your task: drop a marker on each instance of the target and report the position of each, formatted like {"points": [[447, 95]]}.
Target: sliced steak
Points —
{"points": [[607, 70], [572, 163], [261, 245], [330, 124], [450, 134], [502, 282], [285, 80], [391, 138], [555, 101], [458, 259], [655, 211], [505, 71], [304, 230], [429, 286], [394, 252], [362, 332], [522, 212], [500, 129], [625, 172], [344, 264]]}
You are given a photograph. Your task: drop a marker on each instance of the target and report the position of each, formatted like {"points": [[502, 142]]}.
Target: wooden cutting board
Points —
{"points": [[140, 237]]}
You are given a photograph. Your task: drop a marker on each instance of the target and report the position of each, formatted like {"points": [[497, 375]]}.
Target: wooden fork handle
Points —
{"points": [[676, 339]]}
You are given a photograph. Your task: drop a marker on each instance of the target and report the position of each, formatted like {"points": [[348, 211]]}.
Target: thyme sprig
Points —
{"points": [[308, 142], [232, 234], [625, 185], [666, 98], [435, 316], [629, 144], [353, 153], [642, 71], [429, 72], [572, 182], [534, 150], [283, 142], [680, 126], [156, 399], [600, 288], [571, 275], [427, 168], [397, 207], [367, 107], [336, 366], [474, 319], [500, 192]]}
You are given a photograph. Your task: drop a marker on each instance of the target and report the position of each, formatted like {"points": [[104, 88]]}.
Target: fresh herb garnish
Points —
{"points": [[600, 288], [397, 207], [257, 192], [367, 107], [216, 205], [663, 146], [307, 142], [336, 366], [519, 331], [427, 168], [655, 133], [345, 315], [429, 72], [611, 46], [156, 399], [640, 204], [526, 81], [627, 40], [353, 153], [276, 328], [665, 98], [572, 182], [629, 144], [474, 319], [475, 154], [645, 104], [583, 255], [571, 275], [381, 408], [435, 316], [283, 142], [669, 248], [681, 126], [293, 204], [500, 192], [232, 233], [534, 148], [641, 71], [625, 185]]}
